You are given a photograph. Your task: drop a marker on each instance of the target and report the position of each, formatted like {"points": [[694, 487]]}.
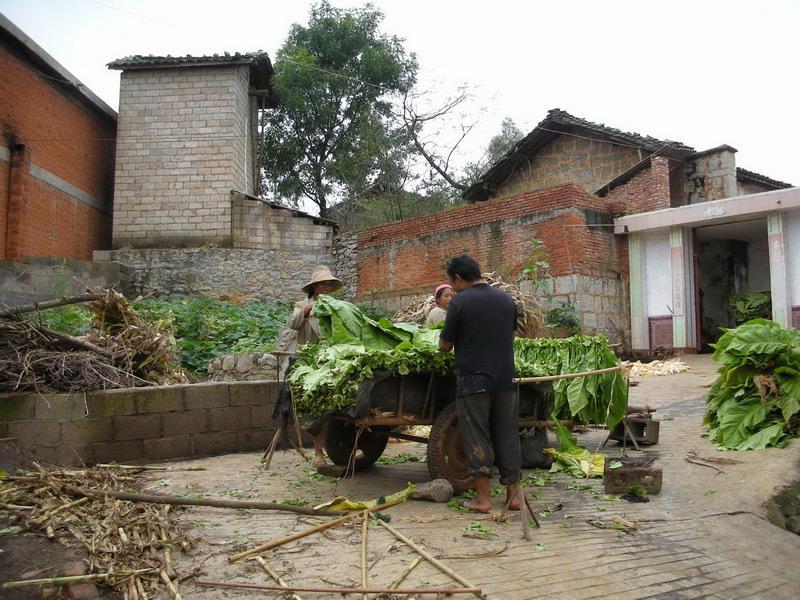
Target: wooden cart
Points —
{"points": [[388, 404]]}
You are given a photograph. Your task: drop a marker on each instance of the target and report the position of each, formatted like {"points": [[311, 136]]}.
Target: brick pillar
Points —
{"points": [[18, 174], [658, 190], [778, 270]]}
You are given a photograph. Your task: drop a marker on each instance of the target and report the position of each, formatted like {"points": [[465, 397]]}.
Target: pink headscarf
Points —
{"points": [[441, 287]]}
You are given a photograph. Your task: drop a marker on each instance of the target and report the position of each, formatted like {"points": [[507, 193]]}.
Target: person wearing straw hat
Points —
{"points": [[442, 294], [304, 329], [322, 282]]}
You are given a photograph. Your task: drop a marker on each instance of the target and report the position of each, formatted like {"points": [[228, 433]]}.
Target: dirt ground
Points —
{"points": [[704, 536]]}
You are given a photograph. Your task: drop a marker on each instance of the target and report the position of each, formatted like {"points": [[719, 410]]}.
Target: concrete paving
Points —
{"points": [[704, 536]]}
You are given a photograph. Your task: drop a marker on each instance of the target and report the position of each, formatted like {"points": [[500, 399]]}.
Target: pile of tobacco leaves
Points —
{"points": [[755, 402], [353, 347]]}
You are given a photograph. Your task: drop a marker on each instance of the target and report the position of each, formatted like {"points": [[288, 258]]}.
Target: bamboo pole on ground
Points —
{"points": [[71, 579], [364, 527], [335, 590], [215, 502], [302, 534], [431, 559], [275, 576]]}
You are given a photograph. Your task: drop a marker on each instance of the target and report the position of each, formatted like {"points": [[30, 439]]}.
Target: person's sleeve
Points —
{"points": [[450, 329], [298, 319]]}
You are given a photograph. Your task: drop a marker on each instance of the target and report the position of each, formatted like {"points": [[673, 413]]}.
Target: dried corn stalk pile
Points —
{"points": [[124, 352], [656, 367], [134, 541], [142, 349], [529, 313]]}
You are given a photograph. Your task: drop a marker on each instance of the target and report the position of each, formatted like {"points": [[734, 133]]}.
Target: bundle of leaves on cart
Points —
{"points": [[755, 402], [354, 347], [594, 399]]}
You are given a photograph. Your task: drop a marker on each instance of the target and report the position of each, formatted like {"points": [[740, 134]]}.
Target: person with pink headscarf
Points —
{"points": [[442, 294]]}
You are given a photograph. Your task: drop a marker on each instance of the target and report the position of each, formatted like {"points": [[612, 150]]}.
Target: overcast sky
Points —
{"points": [[700, 72]]}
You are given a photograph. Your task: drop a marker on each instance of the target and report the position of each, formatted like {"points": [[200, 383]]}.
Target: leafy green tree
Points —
{"points": [[509, 134], [334, 81]]}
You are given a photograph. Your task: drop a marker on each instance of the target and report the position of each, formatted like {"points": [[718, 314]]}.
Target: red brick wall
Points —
{"points": [[70, 140], [648, 190], [4, 174], [410, 256]]}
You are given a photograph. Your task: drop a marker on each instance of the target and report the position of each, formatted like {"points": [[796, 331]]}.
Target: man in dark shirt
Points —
{"points": [[480, 325]]}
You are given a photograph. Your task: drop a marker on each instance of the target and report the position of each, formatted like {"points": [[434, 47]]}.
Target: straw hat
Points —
{"points": [[319, 274]]}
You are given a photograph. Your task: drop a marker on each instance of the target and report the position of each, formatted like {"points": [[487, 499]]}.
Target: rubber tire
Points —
{"points": [[532, 450], [340, 436], [446, 459]]}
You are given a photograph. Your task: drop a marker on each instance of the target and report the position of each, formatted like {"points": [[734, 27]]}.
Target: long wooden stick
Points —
{"points": [[71, 579], [406, 573], [275, 576], [74, 342], [301, 534], [566, 375], [50, 304], [364, 527], [335, 590], [215, 502], [431, 559]]}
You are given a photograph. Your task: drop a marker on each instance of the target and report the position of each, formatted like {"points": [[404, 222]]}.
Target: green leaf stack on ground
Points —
{"points": [[354, 346], [755, 402]]}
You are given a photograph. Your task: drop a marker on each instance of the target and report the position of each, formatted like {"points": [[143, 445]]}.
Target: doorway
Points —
{"points": [[731, 259]]}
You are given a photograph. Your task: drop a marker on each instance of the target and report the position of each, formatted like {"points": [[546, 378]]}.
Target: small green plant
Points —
{"points": [[478, 527], [497, 490], [537, 266], [564, 314], [398, 460]]}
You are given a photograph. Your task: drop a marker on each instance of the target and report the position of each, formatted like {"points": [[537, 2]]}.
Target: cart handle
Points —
{"points": [[523, 380]]}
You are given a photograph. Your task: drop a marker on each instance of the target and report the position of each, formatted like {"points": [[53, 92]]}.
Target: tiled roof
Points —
{"points": [[260, 65], [559, 122], [141, 61], [761, 179]]}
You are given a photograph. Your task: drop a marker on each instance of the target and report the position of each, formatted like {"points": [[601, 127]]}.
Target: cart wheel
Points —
{"points": [[340, 437], [446, 458], [532, 444]]}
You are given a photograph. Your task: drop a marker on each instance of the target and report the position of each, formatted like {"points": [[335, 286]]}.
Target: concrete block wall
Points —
{"points": [[711, 176], [260, 225], [141, 424], [570, 159], [39, 279], [243, 272], [56, 166], [183, 144]]}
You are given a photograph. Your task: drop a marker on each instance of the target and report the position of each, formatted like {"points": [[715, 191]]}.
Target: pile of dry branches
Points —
{"points": [[529, 312], [128, 544], [124, 351]]}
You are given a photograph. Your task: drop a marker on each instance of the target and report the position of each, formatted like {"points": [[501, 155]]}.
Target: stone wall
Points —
{"points": [[569, 159], [184, 142], [345, 259], [39, 279], [241, 272], [141, 424], [711, 176], [245, 366]]}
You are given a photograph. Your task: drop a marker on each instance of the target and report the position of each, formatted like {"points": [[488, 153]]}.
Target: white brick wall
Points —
{"points": [[183, 143]]}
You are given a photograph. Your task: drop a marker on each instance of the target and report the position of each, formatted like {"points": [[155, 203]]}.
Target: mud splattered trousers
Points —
{"points": [[489, 426]]}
